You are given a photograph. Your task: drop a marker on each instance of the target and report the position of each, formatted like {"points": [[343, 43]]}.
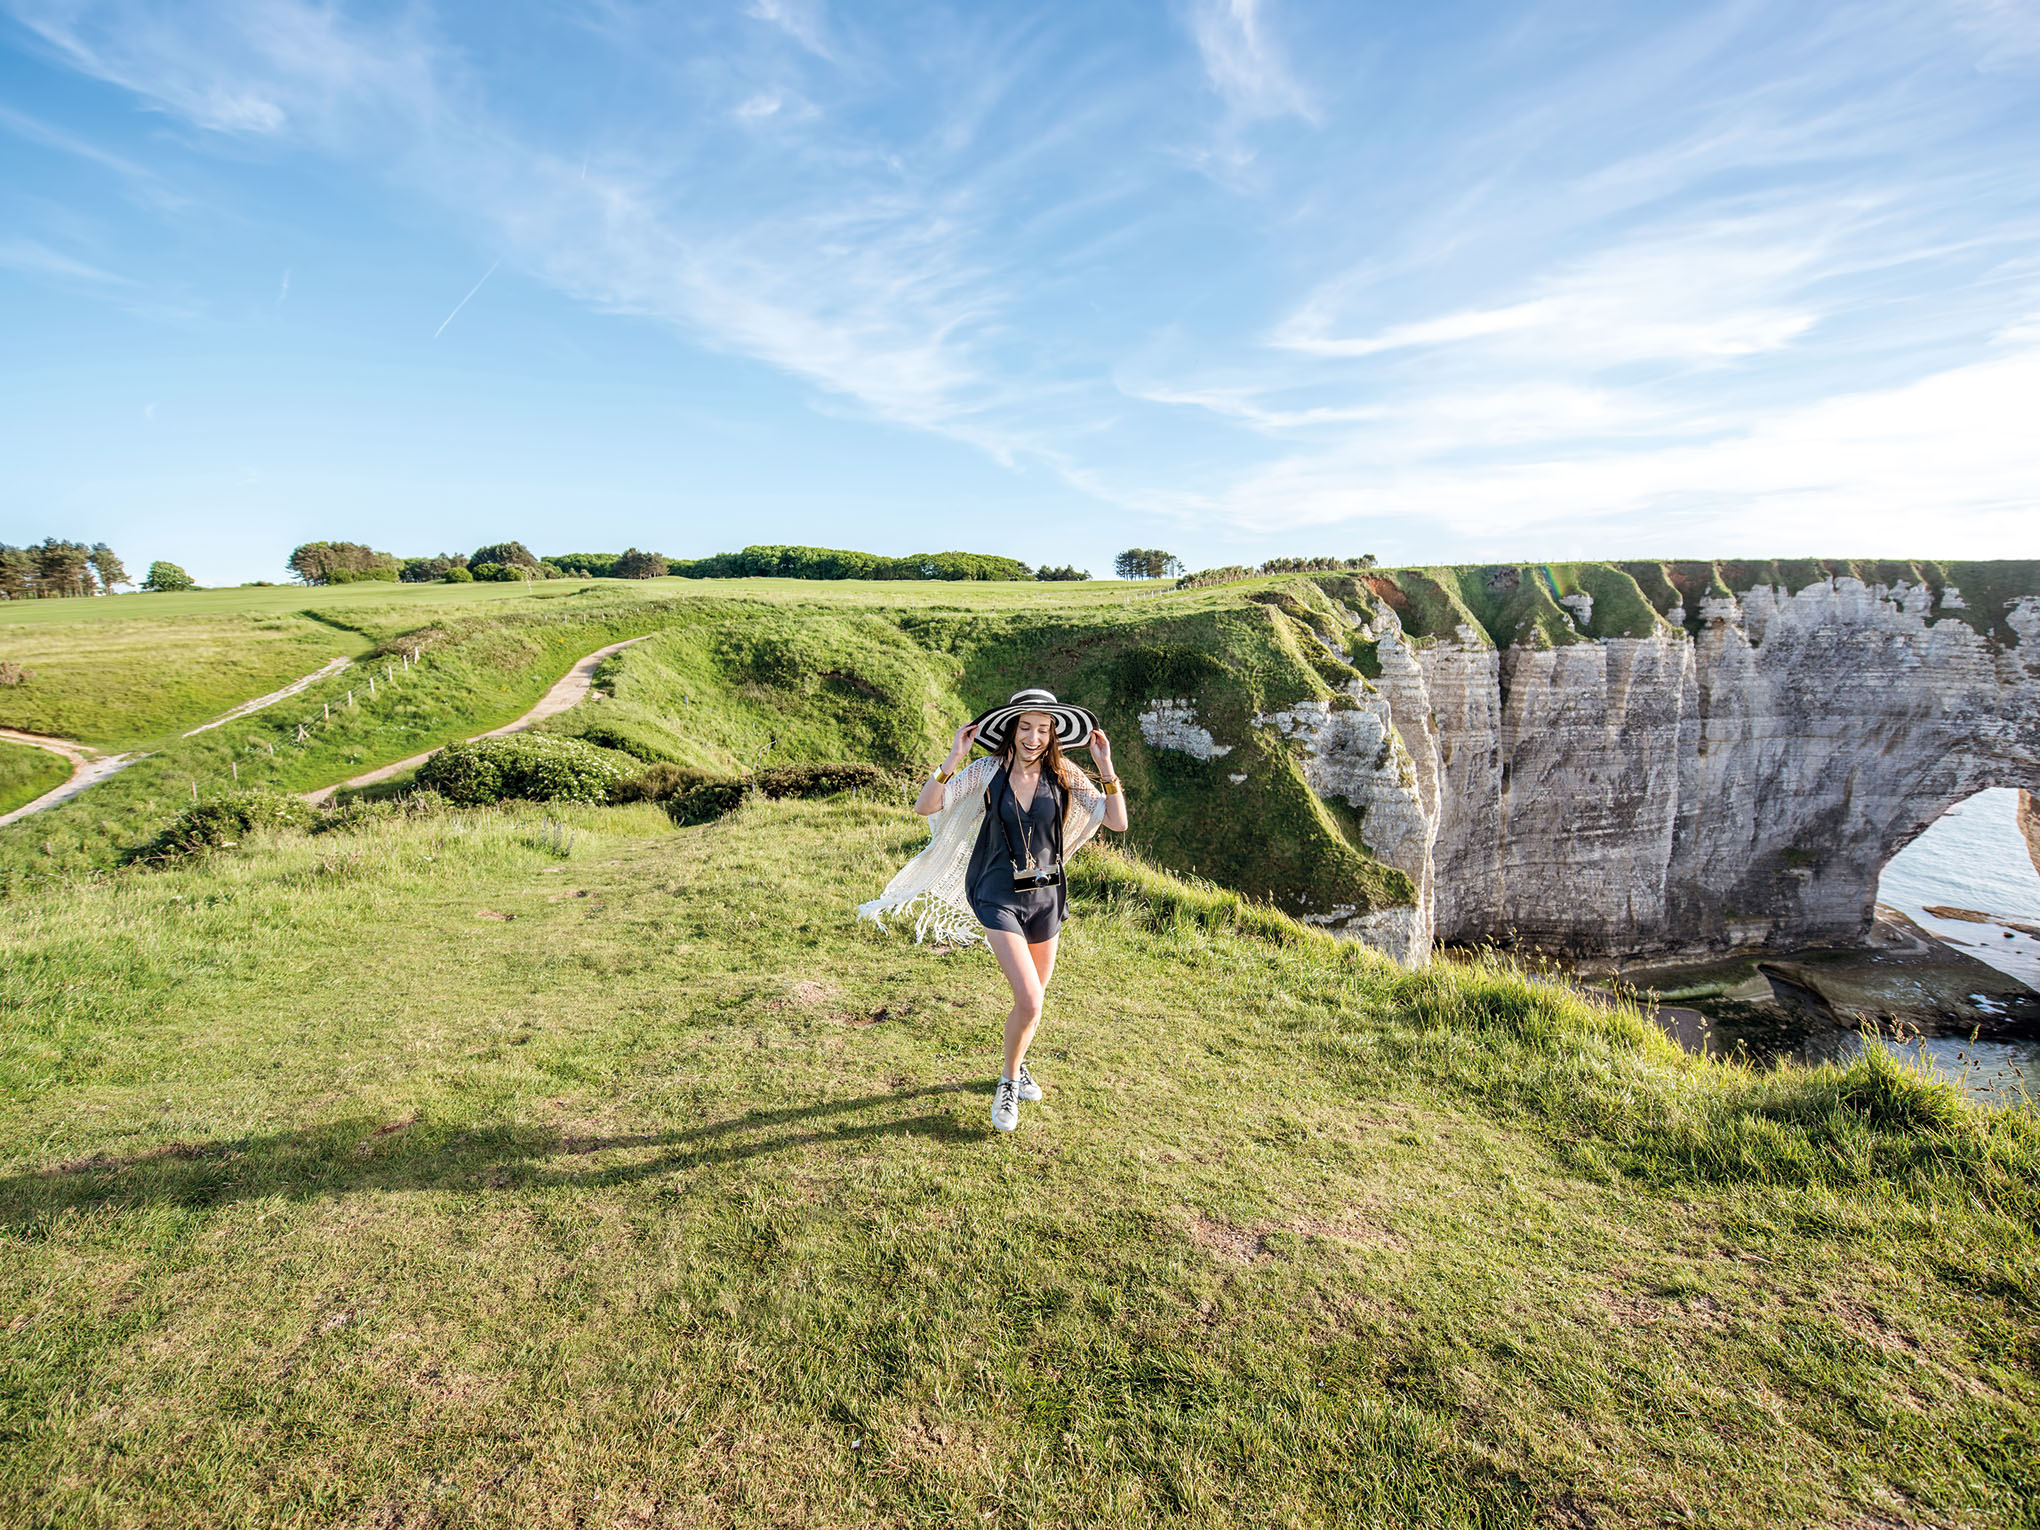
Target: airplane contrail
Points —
{"points": [[457, 307]]}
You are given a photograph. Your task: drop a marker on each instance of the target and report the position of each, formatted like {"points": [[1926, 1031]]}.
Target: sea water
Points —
{"points": [[1972, 858]]}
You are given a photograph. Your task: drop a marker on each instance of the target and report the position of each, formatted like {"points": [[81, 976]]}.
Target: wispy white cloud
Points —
{"points": [[805, 21], [1243, 63], [1705, 291], [1947, 463], [1639, 296], [38, 259], [50, 137], [254, 67]]}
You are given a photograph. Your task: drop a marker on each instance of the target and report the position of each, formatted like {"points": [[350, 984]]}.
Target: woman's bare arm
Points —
{"points": [[929, 803], [1115, 802]]}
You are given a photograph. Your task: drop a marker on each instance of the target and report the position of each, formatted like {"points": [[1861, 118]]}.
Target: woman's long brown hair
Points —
{"points": [[1052, 758]]}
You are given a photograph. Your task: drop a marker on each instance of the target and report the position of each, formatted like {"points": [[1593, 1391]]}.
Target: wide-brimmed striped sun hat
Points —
{"points": [[1073, 725]]}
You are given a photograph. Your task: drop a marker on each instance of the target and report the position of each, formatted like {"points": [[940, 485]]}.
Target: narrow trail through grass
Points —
{"points": [[569, 691], [424, 1176]]}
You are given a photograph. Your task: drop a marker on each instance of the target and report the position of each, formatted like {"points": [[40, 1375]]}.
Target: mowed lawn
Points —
{"points": [[447, 1173]]}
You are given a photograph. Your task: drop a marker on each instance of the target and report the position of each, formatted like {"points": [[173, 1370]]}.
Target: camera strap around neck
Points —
{"points": [[1004, 783]]}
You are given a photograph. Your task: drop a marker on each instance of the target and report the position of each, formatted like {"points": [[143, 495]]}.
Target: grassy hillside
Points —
{"points": [[131, 670], [120, 685], [27, 772], [734, 680], [741, 674], [422, 1175]]}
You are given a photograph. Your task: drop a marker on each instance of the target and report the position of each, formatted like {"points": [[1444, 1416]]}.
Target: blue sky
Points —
{"points": [[1239, 278]]}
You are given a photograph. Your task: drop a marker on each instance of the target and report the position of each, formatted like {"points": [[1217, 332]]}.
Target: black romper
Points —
{"points": [[1036, 913]]}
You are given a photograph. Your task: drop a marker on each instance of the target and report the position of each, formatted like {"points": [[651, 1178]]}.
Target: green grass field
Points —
{"points": [[558, 1167], [425, 1175], [27, 772]]}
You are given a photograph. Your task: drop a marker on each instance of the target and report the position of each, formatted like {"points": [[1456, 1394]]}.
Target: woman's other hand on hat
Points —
{"points": [[1115, 802], [959, 747], [1101, 750]]}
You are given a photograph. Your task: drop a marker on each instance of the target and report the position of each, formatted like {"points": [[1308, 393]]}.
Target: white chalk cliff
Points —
{"points": [[1729, 783]]}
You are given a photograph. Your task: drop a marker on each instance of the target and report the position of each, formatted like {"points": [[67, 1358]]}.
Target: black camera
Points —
{"points": [[1031, 878]]}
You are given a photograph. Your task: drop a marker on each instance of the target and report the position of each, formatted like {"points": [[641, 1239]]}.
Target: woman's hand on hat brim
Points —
{"points": [[959, 747]]}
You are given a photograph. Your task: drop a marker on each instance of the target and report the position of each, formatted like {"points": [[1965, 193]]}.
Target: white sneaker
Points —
{"points": [[1006, 1105], [1029, 1090]]}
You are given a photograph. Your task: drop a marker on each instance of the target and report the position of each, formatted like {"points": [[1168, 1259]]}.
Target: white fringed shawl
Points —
{"points": [[930, 886]]}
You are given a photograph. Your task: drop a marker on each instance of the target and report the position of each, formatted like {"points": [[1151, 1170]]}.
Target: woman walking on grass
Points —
{"points": [[1003, 828]]}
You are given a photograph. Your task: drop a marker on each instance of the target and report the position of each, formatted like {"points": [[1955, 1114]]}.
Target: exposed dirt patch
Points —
{"points": [[1628, 1310], [388, 1129], [568, 895], [897, 1010], [1365, 1234], [1227, 1241], [805, 994], [496, 914]]}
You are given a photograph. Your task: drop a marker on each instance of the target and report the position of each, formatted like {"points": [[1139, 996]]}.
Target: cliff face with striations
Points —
{"points": [[1659, 759]]}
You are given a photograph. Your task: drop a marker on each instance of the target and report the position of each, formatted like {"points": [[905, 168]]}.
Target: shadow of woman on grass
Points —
{"points": [[363, 1153]]}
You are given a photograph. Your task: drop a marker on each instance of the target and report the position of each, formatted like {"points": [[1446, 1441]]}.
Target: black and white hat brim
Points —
{"points": [[1073, 725]]}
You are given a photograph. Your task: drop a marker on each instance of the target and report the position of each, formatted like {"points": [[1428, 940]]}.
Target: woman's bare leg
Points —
{"points": [[1027, 969], [1043, 957]]}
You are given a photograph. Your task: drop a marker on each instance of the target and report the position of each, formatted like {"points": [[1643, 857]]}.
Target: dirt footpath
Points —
{"points": [[569, 691]]}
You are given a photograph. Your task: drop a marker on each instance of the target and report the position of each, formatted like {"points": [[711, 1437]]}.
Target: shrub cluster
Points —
{"points": [[224, 821], [165, 577], [433, 570], [820, 780], [585, 565], [1232, 571], [838, 563], [359, 812], [538, 767], [695, 796], [342, 563], [1225, 575]]}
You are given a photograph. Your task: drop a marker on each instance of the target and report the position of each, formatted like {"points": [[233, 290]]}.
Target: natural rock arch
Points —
{"points": [[1675, 759]]}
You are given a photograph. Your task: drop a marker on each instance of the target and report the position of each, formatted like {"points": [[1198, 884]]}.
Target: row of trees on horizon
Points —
{"points": [[351, 562], [55, 569]]}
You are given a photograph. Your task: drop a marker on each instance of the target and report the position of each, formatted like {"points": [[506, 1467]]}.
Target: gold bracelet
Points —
{"points": [[1111, 786], [942, 776]]}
